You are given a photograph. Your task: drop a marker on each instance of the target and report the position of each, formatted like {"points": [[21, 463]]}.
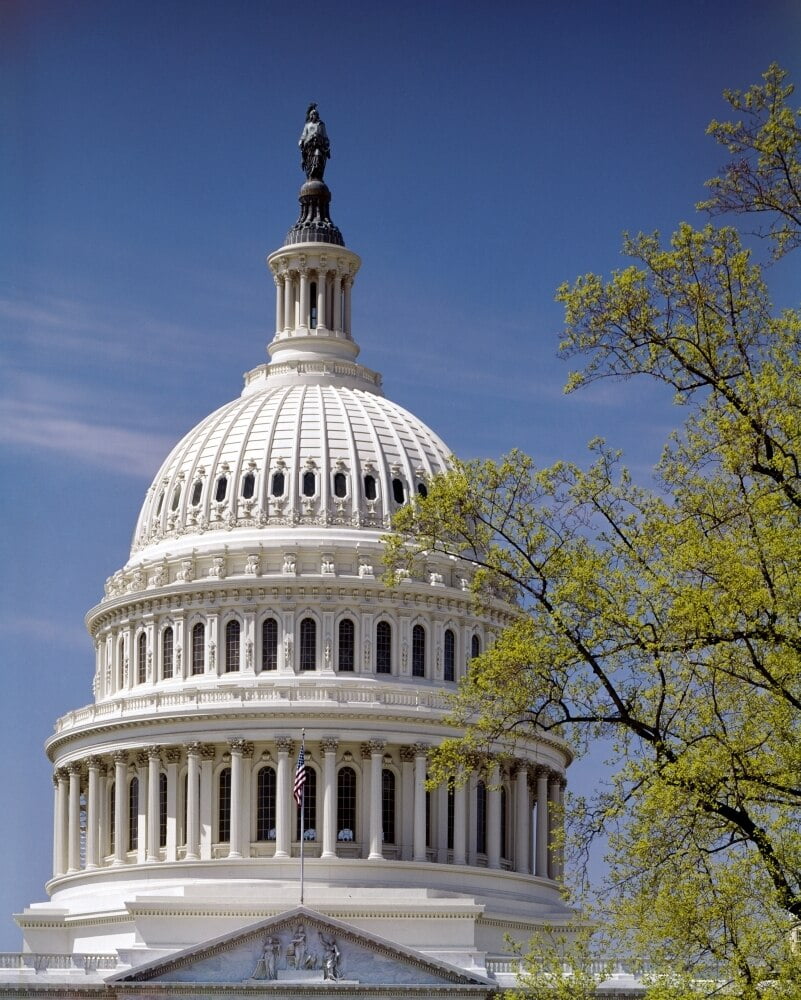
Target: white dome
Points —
{"points": [[294, 449]]}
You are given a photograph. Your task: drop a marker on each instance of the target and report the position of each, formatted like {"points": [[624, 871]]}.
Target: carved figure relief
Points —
{"points": [[267, 966], [253, 565]]}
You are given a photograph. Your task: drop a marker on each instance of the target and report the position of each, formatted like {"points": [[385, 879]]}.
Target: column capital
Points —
{"points": [[141, 758], [173, 754], [376, 746], [247, 748], [94, 763], [407, 754], [193, 749], [120, 757], [207, 751], [237, 746], [364, 749], [329, 745], [540, 771], [74, 768], [421, 749], [519, 764], [284, 744], [154, 752], [562, 782]]}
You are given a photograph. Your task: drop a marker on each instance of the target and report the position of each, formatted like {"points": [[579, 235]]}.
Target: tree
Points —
{"points": [[666, 619]]}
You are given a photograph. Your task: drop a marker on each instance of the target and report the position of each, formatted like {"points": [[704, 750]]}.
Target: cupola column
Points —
{"points": [[329, 749], [74, 832], [153, 802], [303, 319], [376, 824], [347, 284], [289, 302], [541, 854], [60, 839], [494, 817], [420, 759], [234, 849], [192, 801], [120, 806], [92, 810], [279, 303], [321, 290], [523, 819], [336, 319], [284, 748]]}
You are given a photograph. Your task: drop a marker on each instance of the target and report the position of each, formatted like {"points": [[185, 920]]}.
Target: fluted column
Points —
{"points": [[173, 757], [237, 746], [207, 755], [282, 792], [74, 831], [494, 817], [346, 285], [153, 802], [407, 802], [247, 770], [192, 801], [142, 797], [321, 290], [523, 819], [376, 824], [279, 303], [329, 749], [420, 757], [103, 813], [304, 298], [336, 319], [460, 821], [61, 824], [541, 852], [289, 302], [92, 811], [120, 806]]}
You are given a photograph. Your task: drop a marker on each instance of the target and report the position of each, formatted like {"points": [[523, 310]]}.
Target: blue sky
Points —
{"points": [[481, 154]]}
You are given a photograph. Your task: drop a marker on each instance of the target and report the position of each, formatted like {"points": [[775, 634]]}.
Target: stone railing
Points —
{"points": [[414, 699], [42, 961]]}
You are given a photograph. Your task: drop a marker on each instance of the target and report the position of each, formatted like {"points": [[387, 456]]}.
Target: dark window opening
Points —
{"points": [[197, 489], [224, 807], [176, 498], [451, 814], [397, 491], [160, 504], [481, 818], [198, 648], [383, 648], [308, 644], [162, 810], [278, 484], [313, 304], [232, 632], [269, 644], [309, 484], [112, 817], [369, 487], [309, 807], [422, 489], [248, 485], [346, 650], [340, 484], [141, 658], [450, 656], [388, 805], [475, 647], [418, 651], [133, 814], [166, 653], [346, 804], [504, 823], [222, 489], [265, 804]]}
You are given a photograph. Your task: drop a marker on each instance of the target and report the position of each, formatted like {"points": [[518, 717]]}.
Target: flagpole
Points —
{"points": [[302, 810]]}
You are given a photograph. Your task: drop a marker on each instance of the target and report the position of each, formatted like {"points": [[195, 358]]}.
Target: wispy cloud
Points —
{"points": [[47, 630]]}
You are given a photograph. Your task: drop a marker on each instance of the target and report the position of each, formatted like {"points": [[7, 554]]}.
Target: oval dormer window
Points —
{"points": [[197, 489], [397, 491], [422, 490], [340, 485], [369, 487], [176, 498], [248, 485], [222, 489], [160, 503], [278, 484], [308, 484]]}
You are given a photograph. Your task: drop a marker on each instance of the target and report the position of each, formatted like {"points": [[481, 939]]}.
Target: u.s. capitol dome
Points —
{"points": [[251, 618]]}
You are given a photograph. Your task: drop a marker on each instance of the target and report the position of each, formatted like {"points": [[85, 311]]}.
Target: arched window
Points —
{"points": [[278, 484], [176, 498], [198, 648], [451, 814], [141, 658], [340, 484], [269, 644], [309, 484], [388, 805], [232, 633], [197, 489], [248, 485], [346, 646], [449, 655], [422, 490], [504, 822], [398, 492], [162, 810], [383, 648], [308, 644], [475, 647], [346, 804], [222, 489], [369, 488], [418, 651], [481, 818], [121, 678], [112, 818], [166, 652], [160, 504], [265, 804], [133, 814], [309, 807], [224, 806]]}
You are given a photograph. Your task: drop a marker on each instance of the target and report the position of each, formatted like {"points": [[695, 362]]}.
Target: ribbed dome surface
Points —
{"points": [[289, 454]]}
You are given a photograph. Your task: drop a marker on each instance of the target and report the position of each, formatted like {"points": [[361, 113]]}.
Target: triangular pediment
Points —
{"points": [[302, 949]]}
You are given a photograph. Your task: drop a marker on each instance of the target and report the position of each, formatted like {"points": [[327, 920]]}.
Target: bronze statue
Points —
{"points": [[315, 148]]}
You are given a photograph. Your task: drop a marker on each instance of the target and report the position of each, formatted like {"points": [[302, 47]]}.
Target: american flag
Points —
{"points": [[300, 777]]}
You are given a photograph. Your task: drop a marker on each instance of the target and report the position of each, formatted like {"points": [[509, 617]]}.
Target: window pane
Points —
{"points": [[232, 647], [345, 652], [278, 484], [133, 814], [346, 804], [222, 489], [269, 644], [397, 491], [308, 644], [340, 484], [248, 485], [166, 653], [162, 810], [450, 655], [309, 807], [388, 805], [224, 806], [369, 487], [141, 658], [196, 491], [418, 651], [198, 648], [383, 648], [309, 484], [481, 818], [475, 647], [265, 804]]}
